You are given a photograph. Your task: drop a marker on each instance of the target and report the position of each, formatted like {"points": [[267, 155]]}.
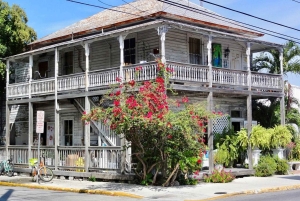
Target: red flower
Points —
{"points": [[185, 99], [204, 130], [116, 103], [138, 68], [160, 80], [131, 83], [169, 125], [149, 115], [220, 113], [118, 79], [169, 137], [113, 126], [199, 161], [118, 93], [84, 112], [200, 123]]}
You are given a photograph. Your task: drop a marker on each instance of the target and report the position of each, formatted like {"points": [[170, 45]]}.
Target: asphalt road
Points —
{"points": [[17, 193], [292, 195]]}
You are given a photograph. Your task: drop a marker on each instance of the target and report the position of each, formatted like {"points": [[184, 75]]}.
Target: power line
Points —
{"points": [[194, 10], [296, 1], [106, 4], [252, 15], [104, 8], [221, 18]]}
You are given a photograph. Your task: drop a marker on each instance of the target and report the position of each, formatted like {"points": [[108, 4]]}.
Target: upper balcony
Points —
{"points": [[182, 74]]}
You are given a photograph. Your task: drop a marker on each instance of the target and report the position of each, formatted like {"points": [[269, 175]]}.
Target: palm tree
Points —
{"points": [[270, 59], [269, 114]]}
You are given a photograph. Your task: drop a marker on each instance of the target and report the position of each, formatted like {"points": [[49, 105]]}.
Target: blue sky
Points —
{"points": [[48, 16]]}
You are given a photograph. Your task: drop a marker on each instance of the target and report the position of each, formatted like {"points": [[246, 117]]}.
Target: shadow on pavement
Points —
{"points": [[6, 195], [292, 177]]}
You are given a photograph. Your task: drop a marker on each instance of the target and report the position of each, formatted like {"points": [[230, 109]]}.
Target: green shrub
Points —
{"points": [[219, 177], [265, 167], [282, 166], [92, 178]]}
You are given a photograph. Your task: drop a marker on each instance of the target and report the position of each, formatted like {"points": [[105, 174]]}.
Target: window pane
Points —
{"points": [[70, 127]]}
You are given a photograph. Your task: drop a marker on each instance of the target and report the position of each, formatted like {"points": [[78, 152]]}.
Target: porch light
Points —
{"points": [[226, 53]]}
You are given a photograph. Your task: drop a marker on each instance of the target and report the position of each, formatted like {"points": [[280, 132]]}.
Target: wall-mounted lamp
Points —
{"points": [[226, 53]]}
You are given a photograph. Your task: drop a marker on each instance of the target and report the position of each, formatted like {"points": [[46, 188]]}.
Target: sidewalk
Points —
{"points": [[202, 191]]}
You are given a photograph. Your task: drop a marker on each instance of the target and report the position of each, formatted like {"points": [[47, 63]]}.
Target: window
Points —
{"points": [[129, 51], [68, 63], [236, 114], [68, 132], [195, 52]]}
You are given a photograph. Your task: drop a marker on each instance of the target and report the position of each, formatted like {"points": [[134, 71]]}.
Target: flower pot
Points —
{"points": [[219, 167], [255, 156], [279, 152]]}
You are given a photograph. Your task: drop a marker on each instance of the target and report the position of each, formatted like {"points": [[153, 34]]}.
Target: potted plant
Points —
{"points": [[280, 137], [259, 139], [220, 158]]}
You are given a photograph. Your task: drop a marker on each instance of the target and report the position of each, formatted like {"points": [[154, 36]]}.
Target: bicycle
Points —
{"points": [[7, 166], [43, 172]]}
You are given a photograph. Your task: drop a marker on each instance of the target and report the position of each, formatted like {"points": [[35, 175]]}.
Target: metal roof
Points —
{"points": [[140, 10]]}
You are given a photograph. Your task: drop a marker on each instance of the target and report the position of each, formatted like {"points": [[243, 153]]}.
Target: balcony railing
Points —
{"points": [[181, 72]]}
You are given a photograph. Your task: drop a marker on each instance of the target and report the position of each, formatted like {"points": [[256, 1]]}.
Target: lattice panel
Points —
{"points": [[219, 124]]}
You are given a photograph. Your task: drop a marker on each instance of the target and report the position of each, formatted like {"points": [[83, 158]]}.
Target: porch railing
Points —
{"points": [[70, 158], [268, 81], [71, 82], [188, 72], [103, 78], [180, 72], [44, 86], [229, 77], [18, 90]]}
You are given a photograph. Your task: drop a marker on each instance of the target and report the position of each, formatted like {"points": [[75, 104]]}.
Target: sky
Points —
{"points": [[48, 16]]}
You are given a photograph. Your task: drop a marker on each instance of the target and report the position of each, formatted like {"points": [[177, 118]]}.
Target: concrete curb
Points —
{"points": [[74, 190], [251, 192]]}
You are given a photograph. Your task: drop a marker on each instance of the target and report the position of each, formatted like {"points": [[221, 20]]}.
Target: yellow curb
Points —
{"points": [[251, 192], [74, 190]]}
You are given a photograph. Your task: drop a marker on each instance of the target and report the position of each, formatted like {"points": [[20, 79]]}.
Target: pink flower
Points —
{"points": [[118, 93], [131, 83], [138, 68], [118, 79], [149, 115], [185, 99], [116, 103], [84, 112]]}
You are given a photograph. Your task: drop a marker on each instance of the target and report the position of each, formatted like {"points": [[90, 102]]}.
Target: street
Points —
{"points": [[17, 193], [292, 195]]}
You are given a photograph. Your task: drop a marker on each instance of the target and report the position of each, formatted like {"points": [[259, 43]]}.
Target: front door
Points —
{"points": [[43, 69]]}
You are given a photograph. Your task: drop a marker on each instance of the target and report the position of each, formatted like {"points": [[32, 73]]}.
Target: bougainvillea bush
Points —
{"points": [[165, 142]]}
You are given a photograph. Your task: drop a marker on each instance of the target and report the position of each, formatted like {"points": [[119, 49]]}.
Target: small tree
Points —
{"points": [[162, 140]]}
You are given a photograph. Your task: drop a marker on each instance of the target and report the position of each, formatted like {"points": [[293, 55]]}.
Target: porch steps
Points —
{"points": [[105, 133]]}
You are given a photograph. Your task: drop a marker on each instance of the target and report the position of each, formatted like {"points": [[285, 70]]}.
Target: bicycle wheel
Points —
{"points": [[45, 174], [10, 170]]}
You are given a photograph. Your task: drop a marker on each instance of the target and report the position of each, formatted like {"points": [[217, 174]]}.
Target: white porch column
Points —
{"points": [[87, 65], [209, 58], [210, 107], [282, 104], [7, 125], [56, 110], [87, 108], [87, 133], [30, 110], [121, 39], [249, 104], [162, 33]]}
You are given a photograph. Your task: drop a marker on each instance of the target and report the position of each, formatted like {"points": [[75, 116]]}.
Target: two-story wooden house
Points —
{"points": [[67, 72]]}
